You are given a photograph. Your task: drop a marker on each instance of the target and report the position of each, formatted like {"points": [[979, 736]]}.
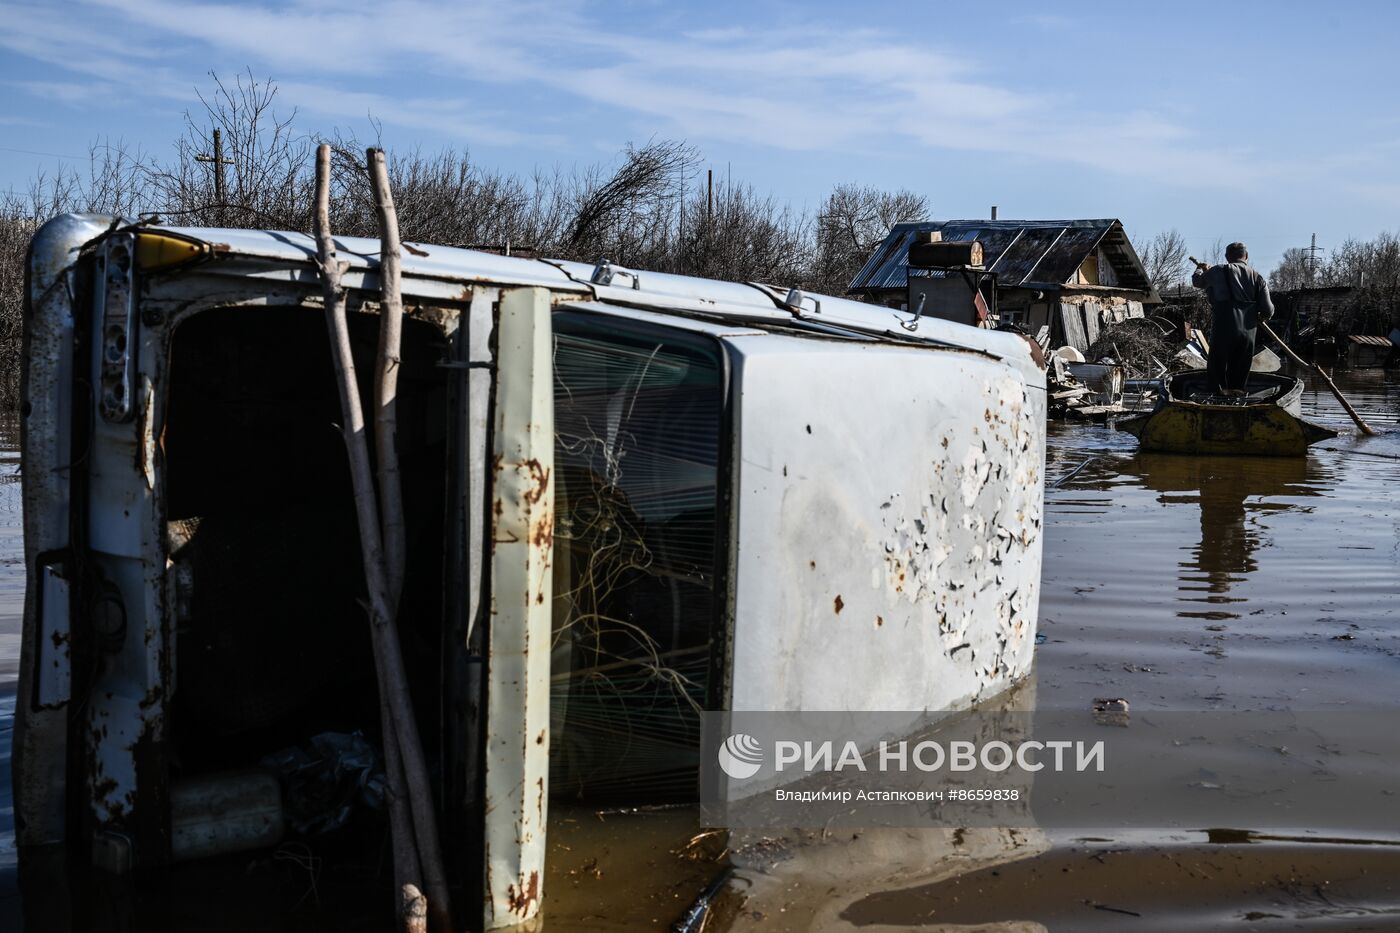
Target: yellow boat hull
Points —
{"points": [[1253, 430]]}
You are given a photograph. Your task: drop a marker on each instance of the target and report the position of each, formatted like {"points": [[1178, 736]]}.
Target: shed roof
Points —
{"points": [[1022, 253]]}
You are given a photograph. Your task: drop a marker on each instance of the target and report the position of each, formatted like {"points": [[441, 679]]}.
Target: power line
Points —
{"points": [[56, 155]]}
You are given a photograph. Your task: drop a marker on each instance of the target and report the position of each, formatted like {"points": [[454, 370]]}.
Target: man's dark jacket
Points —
{"points": [[1239, 300]]}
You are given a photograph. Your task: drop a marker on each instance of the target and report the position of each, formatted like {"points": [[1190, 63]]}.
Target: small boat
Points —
{"points": [[1191, 417]]}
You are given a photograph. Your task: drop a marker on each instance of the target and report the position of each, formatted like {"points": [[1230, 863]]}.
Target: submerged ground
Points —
{"points": [[1178, 583]]}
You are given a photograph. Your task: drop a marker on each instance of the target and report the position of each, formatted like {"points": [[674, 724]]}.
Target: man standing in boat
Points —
{"points": [[1239, 300]]}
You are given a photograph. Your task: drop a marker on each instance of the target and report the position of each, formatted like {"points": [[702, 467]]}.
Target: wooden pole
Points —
{"points": [[387, 377], [408, 871], [407, 866], [393, 681], [391, 512], [219, 162], [1362, 426], [219, 195]]}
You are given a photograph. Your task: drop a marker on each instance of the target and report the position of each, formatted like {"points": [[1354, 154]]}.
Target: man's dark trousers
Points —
{"points": [[1231, 352]]}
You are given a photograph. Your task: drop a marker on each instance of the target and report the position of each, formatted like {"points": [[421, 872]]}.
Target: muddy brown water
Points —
{"points": [[1179, 583]]}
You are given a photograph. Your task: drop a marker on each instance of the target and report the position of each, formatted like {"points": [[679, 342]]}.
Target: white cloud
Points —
{"points": [[440, 116], [425, 66], [71, 93]]}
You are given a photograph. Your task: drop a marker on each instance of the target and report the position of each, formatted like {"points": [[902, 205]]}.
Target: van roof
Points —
{"points": [[733, 302]]}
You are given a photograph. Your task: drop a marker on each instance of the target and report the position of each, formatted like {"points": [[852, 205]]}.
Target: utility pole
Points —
{"points": [[1312, 261], [219, 162], [709, 198]]}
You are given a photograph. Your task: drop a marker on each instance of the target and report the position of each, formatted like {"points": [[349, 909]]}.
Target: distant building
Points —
{"points": [[1363, 351], [1305, 313], [1337, 319], [1071, 276]]}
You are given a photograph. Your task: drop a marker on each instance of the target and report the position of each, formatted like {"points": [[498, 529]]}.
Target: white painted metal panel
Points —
{"points": [[522, 581], [888, 526], [434, 262], [41, 736]]}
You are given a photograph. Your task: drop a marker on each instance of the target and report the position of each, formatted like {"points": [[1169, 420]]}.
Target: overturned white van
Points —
{"points": [[630, 496]]}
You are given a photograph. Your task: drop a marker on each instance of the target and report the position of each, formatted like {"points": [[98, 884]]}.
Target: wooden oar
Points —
{"points": [[1361, 425]]}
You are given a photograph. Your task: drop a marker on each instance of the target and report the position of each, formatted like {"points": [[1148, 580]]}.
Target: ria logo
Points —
{"points": [[740, 756]]}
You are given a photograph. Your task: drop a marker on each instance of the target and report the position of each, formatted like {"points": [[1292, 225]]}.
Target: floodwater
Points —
{"points": [[1179, 583]]}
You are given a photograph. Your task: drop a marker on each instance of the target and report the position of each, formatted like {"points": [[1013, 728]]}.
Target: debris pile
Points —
{"points": [[1122, 369], [1143, 346]]}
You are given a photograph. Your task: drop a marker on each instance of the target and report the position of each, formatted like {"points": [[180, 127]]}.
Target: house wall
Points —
{"points": [[1080, 319], [1097, 269]]}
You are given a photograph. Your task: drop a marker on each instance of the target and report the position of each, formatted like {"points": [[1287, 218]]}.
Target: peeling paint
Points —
{"points": [[524, 897]]}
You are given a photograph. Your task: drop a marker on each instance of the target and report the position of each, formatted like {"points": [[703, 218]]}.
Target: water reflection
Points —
{"points": [[1231, 492]]}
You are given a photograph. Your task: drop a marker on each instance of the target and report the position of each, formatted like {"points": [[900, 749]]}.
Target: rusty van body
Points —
{"points": [[629, 496]]}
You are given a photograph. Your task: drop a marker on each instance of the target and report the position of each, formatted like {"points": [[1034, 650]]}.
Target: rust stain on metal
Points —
{"points": [[542, 534], [839, 604], [539, 481], [523, 897]]}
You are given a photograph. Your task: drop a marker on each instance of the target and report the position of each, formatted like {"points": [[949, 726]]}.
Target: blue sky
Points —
{"points": [[1263, 122]]}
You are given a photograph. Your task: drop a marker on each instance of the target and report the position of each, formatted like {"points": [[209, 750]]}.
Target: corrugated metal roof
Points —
{"points": [[1022, 253], [1369, 340]]}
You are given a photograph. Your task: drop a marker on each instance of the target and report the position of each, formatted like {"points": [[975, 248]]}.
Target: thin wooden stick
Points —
{"points": [[407, 865], [393, 681], [408, 872], [391, 511]]}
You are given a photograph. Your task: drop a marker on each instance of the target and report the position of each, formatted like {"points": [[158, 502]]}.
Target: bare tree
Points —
{"points": [[1293, 271], [266, 179], [643, 211], [852, 222], [744, 236], [625, 207], [1164, 258]]}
